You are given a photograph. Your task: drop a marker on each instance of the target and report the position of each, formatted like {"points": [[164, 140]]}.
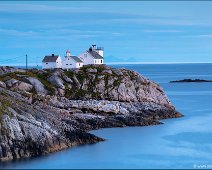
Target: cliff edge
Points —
{"points": [[43, 111]]}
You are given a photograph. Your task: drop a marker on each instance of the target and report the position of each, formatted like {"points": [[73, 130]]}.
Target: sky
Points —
{"points": [[129, 31]]}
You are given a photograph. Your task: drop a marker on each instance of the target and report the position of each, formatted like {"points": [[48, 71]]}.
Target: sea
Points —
{"points": [[178, 143]]}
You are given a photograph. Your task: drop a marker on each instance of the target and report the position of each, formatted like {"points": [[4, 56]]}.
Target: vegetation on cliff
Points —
{"points": [[92, 82], [43, 111]]}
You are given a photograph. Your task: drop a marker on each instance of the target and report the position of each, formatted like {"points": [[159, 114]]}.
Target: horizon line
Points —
{"points": [[114, 63], [111, 63]]}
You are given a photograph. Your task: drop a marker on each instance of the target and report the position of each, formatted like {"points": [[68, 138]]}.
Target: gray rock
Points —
{"points": [[101, 76], [33, 125], [66, 78], [24, 86], [61, 92], [85, 85], [107, 72], [91, 70], [110, 108], [58, 72], [11, 82], [21, 75], [57, 81], [2, 84], [117, 72], [76, 70], [6, 69], [76, 81], [39, 87], [69, 86]]}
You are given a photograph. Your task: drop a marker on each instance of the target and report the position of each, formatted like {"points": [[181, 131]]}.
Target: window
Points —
{"points": [[47, 63], [94, 61], [79, 64], [66, 64], [101, 61], [85, 55]]}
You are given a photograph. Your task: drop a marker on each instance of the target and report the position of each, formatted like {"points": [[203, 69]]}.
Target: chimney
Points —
{"points": [[94, 47], [68, 53]]}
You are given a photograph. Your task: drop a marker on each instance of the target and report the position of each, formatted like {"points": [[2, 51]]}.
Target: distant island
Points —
{"points": [[191, 81]]}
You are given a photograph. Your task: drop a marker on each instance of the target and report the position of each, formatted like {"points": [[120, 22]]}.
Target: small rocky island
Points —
{"points": [[191, 81], [43, 111]]}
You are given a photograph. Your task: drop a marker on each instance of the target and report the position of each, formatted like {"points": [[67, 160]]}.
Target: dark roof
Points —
{"points": [[95, 54], [50, 58], [76, 59]]}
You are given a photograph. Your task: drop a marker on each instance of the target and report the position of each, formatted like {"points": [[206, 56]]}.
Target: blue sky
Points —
{"points": [[166, 31]]}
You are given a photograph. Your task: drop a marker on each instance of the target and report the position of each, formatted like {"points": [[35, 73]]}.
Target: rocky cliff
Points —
{"points": [[43, 111]]}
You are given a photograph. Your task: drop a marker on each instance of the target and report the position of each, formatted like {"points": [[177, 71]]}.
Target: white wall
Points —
{"points": [[98, 61], [100, 52], [52, 65], [86, 58], [48, 65], [69, 63], [78, 65], [59, 62]]}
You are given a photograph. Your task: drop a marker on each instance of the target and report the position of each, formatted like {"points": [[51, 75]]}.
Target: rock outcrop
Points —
{"points": [[38, 86], [44, 111]]}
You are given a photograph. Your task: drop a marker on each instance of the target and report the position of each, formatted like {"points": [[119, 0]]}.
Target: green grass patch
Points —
{"points": [[117, 82], [81, 77], [80, 94], [69, 73], [4, 105]]}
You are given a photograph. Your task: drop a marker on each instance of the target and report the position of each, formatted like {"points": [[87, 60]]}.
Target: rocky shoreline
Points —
{"points": [[43, 111]]}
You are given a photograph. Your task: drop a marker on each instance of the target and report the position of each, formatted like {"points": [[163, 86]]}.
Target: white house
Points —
{"points": [[71, 61], [51, 62], [93, 56]]}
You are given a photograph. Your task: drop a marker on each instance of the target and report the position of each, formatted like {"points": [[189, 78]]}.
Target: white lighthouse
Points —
{"points": [[99, 50], [94, 55]]}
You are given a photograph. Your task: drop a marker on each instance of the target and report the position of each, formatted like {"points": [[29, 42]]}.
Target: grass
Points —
{"points": [[82, 75], [69, 73], [4, 105], [80, 94], [117, 82], [68, 93], [96, 95], [99, 68]]}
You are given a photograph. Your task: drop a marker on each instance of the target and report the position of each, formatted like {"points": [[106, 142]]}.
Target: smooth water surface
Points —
{"points": [[179, 143]]}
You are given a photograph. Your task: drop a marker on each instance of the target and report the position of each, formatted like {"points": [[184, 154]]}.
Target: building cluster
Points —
{"points": [[94, 55]]}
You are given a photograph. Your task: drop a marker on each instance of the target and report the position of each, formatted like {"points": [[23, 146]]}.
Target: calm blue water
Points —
{"points": [[179, 143]]}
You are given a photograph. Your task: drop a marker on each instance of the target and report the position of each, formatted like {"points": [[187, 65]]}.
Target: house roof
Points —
{"points": [[94, 54], [50, 58], [76, 59]]}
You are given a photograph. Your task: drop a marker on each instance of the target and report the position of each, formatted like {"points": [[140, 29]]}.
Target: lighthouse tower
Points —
{"points": [[99, 50]]}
